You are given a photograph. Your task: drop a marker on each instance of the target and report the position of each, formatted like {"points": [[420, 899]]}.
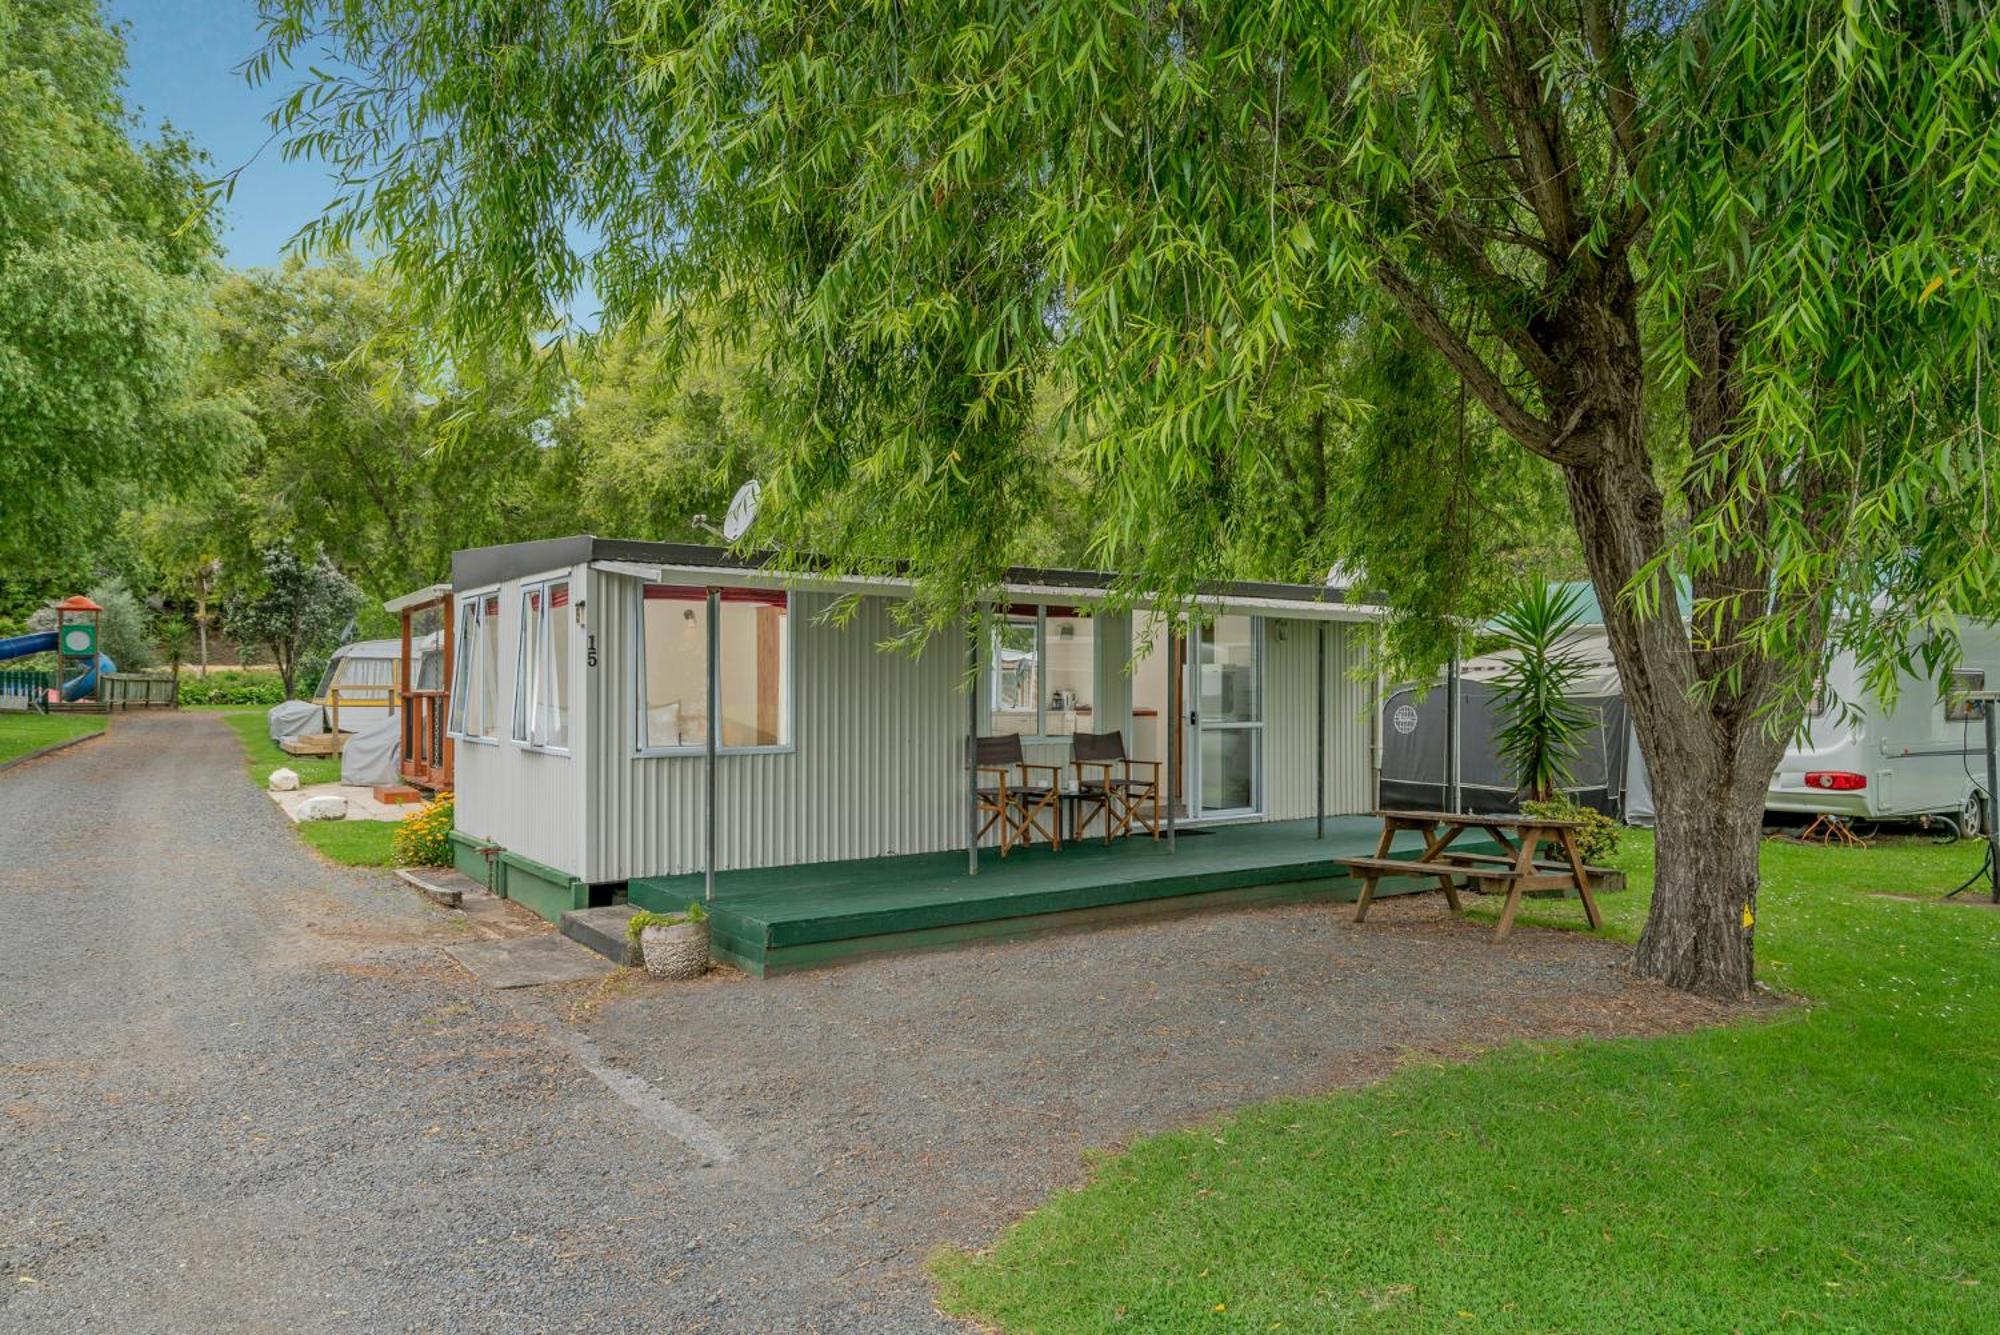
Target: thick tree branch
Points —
{"points": [[1533, 433]]}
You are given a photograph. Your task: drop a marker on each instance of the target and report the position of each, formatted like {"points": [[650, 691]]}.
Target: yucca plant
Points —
{"points": [[1540, 723]]}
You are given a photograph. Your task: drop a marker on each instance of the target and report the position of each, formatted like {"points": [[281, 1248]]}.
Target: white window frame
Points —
{"points": [[465, 666], [788, 687], [541, 625], [990, 667]]}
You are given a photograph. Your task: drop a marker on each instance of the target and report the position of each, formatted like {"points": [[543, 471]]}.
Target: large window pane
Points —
{"points": [[756, 704], [552, 721], [675, 707], [1228, 769], [1226, 676], [485, 720], [1017, 674], [1070, 651], [527, 661]]}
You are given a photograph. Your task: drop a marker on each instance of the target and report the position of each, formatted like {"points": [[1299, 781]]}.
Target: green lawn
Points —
{"points": [[22, 733], [356, 843], [1836, 1167]]}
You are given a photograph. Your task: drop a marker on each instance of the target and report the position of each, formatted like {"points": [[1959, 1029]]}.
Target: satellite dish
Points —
{"points": [[742, 511]]}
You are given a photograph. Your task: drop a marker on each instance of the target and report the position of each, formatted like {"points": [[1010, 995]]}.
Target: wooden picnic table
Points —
{"points": [[1519, 835]]}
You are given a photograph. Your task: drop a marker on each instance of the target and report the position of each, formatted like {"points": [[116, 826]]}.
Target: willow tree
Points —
{"points": [[1726, 267]]}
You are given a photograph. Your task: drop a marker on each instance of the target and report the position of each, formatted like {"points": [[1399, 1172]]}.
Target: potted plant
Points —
{"points": [[674, 945]]}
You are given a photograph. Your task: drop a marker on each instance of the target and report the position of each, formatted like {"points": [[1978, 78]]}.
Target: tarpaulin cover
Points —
{"points": [[295, 718], [372, 754]]}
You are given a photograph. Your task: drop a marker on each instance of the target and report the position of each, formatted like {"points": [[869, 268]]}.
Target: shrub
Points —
{"points": [[232, 687], [423, 838], [644, 918], [1596, 834]]}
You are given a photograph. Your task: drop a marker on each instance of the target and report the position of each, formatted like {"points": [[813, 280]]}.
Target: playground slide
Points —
{"points": [[82, 685]]}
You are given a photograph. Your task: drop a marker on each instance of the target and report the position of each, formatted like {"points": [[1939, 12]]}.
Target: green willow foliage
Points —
{"points": [[106, 245], [1162, 209]]}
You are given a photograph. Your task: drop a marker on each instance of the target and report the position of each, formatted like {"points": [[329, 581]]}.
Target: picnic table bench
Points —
{"points": [[1520, 835]]}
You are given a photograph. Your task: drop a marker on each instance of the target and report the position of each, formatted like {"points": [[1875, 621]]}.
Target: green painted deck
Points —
{"points": [[774, 919]]}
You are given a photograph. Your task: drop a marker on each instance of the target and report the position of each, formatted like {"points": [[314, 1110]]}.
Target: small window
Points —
{"points": [[754, 644], [541, 683], [1041, 671], [1958, 709], [475, 690]]}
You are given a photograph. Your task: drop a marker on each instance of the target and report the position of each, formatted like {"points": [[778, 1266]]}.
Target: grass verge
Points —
{"points": [[354, 843], [22, 733], [1835, 1167]]}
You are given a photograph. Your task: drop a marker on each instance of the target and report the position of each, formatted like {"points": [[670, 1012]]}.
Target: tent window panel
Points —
{"points": [[756, 693], [675, 662]]}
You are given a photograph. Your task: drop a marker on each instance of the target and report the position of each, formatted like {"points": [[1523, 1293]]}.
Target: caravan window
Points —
{"points": [[475, 689], [1958, 709], [1041, 671], [541, 681], [755, 648]]}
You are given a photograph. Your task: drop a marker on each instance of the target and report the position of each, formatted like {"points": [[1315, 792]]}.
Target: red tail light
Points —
{"points": [[1839, 781]]}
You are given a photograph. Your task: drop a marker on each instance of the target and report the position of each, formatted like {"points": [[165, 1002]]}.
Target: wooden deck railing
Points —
{"points": [[426, 749]]}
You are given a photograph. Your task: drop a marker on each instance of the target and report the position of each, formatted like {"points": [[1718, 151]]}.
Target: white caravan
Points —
{"points": [[1924, 757]]}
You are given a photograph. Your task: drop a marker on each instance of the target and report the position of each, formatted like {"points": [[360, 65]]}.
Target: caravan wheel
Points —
{"points": [[1971, 816]]}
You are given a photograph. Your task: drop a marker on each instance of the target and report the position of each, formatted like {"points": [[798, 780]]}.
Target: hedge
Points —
{"points": [[232, 688]]}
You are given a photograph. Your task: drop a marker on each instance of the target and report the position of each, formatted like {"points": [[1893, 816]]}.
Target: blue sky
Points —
{"points": [[183, 57]]}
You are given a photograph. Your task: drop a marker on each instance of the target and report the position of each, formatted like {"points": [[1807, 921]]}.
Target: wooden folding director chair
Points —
{"points": [[1018, 806], [1117, 796]]}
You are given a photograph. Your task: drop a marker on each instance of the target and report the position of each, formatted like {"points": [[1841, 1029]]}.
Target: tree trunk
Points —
{"points": [[1710, 760], [1700, 933]]}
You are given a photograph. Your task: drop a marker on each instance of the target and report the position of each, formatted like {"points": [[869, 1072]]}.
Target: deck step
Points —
{"points": [[603, 930], [441, 885]]}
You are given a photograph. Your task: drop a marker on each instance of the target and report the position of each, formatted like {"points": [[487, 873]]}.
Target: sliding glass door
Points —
{"points": [[1226, 690]]}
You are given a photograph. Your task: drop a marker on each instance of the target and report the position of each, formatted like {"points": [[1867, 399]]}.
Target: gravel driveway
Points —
{"points": [[242, 1088]]}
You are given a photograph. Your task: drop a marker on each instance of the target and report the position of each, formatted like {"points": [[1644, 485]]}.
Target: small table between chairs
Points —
{"points": [[1519, 836]]}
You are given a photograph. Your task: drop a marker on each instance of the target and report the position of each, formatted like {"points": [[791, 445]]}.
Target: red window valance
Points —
{"points": [[690, 593]]}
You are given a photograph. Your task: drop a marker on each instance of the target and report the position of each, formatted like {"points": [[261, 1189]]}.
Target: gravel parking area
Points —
{"points": [[240, 1087]]}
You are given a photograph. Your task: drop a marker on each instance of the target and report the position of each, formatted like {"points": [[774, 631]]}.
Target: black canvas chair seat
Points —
{"points": [[1021, 807], [1122, 799]]}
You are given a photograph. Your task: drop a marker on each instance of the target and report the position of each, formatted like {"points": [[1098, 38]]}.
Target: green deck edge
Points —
{"points": [[535, 886], [767, 931], [773, 961]]}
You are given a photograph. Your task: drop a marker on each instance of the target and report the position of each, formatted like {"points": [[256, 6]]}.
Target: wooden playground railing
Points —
{"points": [[26, 688], [133, 690]]}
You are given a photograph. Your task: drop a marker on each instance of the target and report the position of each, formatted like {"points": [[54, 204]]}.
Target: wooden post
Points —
{"points": [[406, 725], [714, 722], [769, 655]]}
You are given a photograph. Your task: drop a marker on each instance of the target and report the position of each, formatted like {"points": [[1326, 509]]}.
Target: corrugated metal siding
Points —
{"points": [[877, 766], [530, 801], [1290, 673]]}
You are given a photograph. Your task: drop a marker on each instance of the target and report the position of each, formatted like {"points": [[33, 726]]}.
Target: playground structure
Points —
{"points": [[75, 637]]}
